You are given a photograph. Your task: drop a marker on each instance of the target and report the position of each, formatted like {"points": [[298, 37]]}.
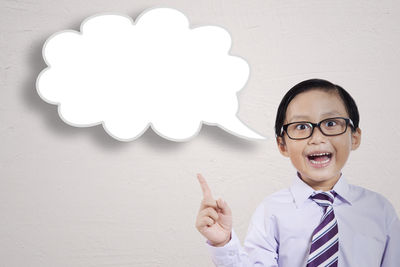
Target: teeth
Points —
{"points": [[319, 162], [321, 154]]}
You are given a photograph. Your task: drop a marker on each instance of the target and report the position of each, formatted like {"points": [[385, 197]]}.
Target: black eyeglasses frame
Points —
{"points": [[285, 126]]}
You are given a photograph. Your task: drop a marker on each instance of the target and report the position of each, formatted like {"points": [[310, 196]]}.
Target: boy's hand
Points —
{"points": [[214, 220]]}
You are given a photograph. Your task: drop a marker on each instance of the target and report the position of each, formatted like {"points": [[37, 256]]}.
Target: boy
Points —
{"points": [[321, 220]]}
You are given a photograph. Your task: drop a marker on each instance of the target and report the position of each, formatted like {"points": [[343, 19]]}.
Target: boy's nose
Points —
{"points": [[317, 136]]}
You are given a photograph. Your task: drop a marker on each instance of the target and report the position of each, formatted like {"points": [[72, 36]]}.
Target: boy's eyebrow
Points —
{"points": [[305, 117]]}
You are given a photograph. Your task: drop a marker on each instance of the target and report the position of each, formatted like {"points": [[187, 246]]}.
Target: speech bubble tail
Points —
{"points": [[238, 128]]}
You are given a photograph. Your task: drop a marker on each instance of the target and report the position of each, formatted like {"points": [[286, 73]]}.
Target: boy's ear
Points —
{"points": [[282, 146], [355, 139]]}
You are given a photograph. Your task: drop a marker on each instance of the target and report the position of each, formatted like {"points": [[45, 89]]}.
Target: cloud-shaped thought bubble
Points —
{"points": [[154, 72]]}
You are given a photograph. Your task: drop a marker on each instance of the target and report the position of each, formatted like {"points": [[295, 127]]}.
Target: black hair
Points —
{"points": [[317, 84]]}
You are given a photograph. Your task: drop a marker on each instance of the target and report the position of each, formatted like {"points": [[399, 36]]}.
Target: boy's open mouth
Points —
{"points": [[319, 159]]}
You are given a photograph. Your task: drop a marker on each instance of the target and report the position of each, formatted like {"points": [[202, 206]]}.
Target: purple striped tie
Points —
{"points": [[324, 248]]}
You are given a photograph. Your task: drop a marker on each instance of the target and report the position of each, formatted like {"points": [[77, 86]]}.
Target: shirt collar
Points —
{"points": [[342, 188], [302, 191]]}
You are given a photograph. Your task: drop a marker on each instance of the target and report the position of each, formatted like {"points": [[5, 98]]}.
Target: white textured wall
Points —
{"points": [[76, 197]]}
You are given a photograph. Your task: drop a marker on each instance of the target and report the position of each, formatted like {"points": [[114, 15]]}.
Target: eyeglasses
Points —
{"points": [[304, 129]]}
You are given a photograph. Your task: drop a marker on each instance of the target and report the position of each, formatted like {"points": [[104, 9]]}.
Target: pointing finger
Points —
{"points": [[204, 187]]}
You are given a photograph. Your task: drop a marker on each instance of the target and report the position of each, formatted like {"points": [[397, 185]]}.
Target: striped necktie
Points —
{"points": [[324, 248]]}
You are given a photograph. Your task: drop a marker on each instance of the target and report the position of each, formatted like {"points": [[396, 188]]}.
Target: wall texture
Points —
{"points": [[76, 197]]}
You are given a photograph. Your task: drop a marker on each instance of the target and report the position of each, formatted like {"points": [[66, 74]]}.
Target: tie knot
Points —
{"points": [[324, 198]]}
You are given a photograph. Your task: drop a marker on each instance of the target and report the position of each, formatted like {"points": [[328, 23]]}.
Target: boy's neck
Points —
{"points": [[322, 186]]}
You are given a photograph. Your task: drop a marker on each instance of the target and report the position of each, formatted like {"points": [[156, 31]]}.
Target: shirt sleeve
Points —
{"points": [[260, 246], [391, 256]]}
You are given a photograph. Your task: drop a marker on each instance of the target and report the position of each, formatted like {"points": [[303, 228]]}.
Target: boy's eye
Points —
{"points": [[331, 123], [302, 126]]}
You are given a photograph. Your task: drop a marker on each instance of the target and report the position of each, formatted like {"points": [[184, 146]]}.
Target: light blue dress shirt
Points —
{"points": [[280, 230]]}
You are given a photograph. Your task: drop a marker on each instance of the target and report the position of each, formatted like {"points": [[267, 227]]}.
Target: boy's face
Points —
{"points": [[313, 106]]}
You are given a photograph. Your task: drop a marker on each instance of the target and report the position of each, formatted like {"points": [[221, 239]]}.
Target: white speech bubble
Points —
{"points": [[156, 72]]}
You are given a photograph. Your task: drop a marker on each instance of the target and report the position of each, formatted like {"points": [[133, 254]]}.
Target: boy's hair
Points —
{"points": [[317, 84]]}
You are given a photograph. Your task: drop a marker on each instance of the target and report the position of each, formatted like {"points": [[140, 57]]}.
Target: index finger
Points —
{"points": [[204, 186]]}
